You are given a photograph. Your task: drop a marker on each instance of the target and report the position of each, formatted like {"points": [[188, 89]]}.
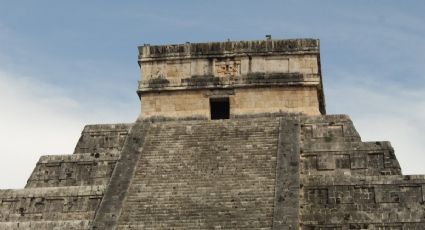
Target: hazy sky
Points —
{"points": [[64, 64]]}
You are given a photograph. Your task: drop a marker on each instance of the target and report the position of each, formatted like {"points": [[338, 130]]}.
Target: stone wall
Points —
{"points": [[371, 202], [274, 100], [107, 138], [73, 170], [195, 103], [175, 73], [49, 208], [349, 184], [273, 68]]}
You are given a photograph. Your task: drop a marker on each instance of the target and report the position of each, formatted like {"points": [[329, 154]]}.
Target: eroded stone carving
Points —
{"points": [[227, 68]]}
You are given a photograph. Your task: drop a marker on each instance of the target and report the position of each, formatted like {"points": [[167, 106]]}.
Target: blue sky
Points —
{"points": [[69, 63]]}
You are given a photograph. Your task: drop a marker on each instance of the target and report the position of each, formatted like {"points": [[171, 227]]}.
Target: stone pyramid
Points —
{"points": [[232, 135]]}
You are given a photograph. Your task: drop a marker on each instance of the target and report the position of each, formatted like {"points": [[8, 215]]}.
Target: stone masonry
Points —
{"points": [[272, 159], [266, 76]]}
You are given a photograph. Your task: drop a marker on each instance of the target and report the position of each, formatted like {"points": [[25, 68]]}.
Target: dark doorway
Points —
{"points": [[220, 108]]}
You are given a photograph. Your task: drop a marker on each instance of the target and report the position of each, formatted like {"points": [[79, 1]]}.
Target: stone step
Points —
{"points": [[220, 171]]}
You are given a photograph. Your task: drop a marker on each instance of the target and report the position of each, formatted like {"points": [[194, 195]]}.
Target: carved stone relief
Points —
{"points": [[227, 68]]}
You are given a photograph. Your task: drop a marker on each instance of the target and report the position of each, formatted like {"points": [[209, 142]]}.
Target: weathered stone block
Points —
{"points": [[325, 161]]}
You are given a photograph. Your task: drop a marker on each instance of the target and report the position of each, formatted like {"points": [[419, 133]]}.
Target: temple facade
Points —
{"points": [[247, 77]]}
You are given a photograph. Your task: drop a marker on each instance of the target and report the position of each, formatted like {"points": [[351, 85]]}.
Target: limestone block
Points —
{"points": [[375, 160], [387, 193], [309, 163], [318, 196], [342, 161], [411, 194], [325, 161], [358, 160], [343, 194], [307, 64]]}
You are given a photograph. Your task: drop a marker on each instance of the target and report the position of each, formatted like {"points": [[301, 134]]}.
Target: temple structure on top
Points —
{"points": [[231, 78], [231, 135]]}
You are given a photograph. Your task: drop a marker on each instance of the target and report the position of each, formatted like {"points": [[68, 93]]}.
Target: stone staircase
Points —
{"points": [[215, 174]]}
